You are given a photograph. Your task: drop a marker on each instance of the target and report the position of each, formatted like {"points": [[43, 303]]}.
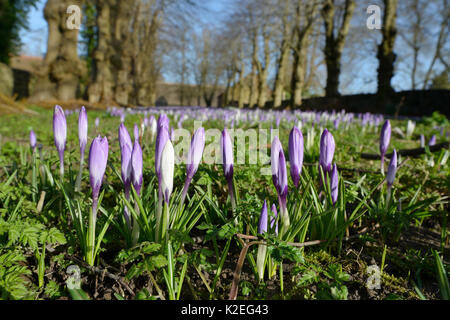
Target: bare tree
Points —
{"points": [[386, 55], [306, 15], [335, 35], [285, 49], [62, 69]]}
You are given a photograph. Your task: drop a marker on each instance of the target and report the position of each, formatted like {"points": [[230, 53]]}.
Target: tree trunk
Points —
{"points": [[335, 44], [62, 70], [282, 62], [386, 55]]}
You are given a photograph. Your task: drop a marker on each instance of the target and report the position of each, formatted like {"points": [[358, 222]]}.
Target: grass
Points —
{"points": [[41, 220]]}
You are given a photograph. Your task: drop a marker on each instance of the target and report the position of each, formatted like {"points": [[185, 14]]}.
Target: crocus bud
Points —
{"points": [[282, 177], [262, 224], [296, 154], [385, 137], [126, 167], [274, 158], [334, 184], [124, 137], [167, 169], [327, 147], [97, 122], [195, 152], [422, 141], [82, 129], [163, 121], [136, 167], [274, 218], [432, 141], [161, 140], [60, 134], [98, 157], [227, 155], [32, 139], [282, 189], [392, 169]]}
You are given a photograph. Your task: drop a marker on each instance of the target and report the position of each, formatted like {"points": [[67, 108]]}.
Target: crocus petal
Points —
{"points": [[296, 154], [195, 152], [161, 140], [82, 128], [334, 184], [98, 157], [274, 158], [32, 139], [136, 166], [262, 224], [392, 169], [282, 176], [385, 137], [59, 128], [126, 165], [227, 154], [124, 137], [167, 169]]}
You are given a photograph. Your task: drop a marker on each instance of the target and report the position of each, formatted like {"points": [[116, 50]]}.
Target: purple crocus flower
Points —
{"points": [[32, 140], [60, 134], [392, 169], [274, 218], [385, 137], [262, 223], [136, 167], [126, 152], [227, 155], [334, 184], [161, 140], [327, 146], [167, 169], [124, 137], [82, 130], [194, 158], [274, 159], [432, 141], [97, 122], [296, 154], [98, 157], [282, 178], [282, 190]]}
